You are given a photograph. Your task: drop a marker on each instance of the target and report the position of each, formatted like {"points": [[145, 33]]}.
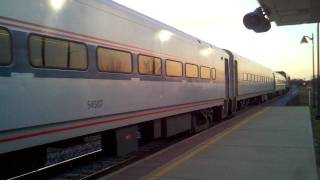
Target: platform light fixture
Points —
{"points": [[258, 20], [303, 41]]}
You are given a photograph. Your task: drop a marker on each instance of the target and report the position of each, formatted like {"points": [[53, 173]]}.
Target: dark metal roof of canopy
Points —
{"points": [[290, 12]]}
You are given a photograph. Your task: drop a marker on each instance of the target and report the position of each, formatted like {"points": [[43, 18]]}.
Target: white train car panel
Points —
{"points": [[253, 79], [42, 105]]}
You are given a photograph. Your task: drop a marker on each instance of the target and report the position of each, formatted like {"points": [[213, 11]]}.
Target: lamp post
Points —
{"points": [[318, 76], [305, 40]]}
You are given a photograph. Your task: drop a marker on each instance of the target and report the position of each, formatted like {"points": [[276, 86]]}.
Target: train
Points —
{"points": [[71, 69]]}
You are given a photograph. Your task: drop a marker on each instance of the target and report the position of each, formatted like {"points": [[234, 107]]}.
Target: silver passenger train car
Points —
{"points": [[81, 67]]}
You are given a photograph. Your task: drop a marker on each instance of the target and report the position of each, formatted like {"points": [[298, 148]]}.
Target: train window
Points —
{"points": [[149, 65], [192, 71], [205, 72], [78, 56], [245, 77], [213, 73], [35, 45], [250, 77], [55, 53], [173, 68], [5, 47], [111, 60]]}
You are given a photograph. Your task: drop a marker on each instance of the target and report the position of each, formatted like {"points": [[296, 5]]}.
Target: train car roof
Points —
{"points": [[141, 18]]}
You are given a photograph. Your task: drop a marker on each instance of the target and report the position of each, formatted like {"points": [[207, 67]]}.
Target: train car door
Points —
{"points": [[231, 84], [236, 79], [227, 103]]}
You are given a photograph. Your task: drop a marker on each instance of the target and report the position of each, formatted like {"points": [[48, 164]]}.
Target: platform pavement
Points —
{"points": [[274, 144]]}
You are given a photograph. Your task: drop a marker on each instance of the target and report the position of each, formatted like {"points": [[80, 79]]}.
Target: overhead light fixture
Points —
{"points": [[258, 20]]}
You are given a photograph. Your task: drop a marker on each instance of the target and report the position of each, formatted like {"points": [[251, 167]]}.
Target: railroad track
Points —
{"points": [[96, 164]]}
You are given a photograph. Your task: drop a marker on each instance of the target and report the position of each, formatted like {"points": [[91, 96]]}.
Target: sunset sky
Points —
{"points": [[219, 22]]}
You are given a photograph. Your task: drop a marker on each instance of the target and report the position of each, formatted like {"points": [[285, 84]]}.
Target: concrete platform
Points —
{"points": [[273, 143]]}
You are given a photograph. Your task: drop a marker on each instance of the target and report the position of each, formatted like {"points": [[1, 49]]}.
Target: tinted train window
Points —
{"points": [[55, 53], [149, 65], [205, 72], [36, 45], [192, 71], [111, 60], [78, 56], [173, 68], [213, 73], [5, 47]]}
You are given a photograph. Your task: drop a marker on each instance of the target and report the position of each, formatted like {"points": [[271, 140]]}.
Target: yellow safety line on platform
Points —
{"points": [[166, 169]]}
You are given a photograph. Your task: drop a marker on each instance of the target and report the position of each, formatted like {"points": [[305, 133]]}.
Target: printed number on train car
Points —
{"points": [[95, 104]]}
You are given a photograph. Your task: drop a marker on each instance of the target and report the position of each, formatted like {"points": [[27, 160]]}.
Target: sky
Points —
{"points": [[219, 22]]}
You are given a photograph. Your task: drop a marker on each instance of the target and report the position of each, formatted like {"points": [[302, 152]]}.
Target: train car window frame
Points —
{"points": [[10, 60], [153, 74], [182, 75], [103, 47], [186, 72], [43, 55], [209, 71], [215, 73]]}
